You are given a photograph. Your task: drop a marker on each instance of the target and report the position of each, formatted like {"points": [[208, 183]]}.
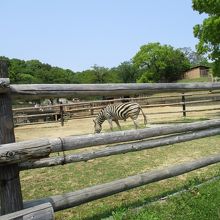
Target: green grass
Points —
{"points": [[202, 79], [60, 179], [183, 120], [198, 203]]}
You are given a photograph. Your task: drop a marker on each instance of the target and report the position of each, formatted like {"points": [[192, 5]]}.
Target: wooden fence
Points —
{"points": [[51, 113], [35, 153]]}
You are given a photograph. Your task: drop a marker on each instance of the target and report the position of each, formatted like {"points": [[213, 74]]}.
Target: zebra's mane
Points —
{"points": [[101, 116]]}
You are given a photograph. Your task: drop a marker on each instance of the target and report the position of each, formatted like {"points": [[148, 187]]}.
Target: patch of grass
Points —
{"points": [[125, 127], [185, 120], [202, 79], [198, 203], [60, 179]]}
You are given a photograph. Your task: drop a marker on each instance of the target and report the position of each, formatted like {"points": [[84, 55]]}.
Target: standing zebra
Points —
{"points": [[118, 112]]}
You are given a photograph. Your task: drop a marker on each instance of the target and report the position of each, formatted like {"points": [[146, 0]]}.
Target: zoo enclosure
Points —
{"points": [[34, 153], [82, 109]]}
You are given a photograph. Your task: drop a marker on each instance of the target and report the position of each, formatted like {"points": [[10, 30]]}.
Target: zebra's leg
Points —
{"points": [[117, 123], [134, 119], [110, 123], [135, 123]]}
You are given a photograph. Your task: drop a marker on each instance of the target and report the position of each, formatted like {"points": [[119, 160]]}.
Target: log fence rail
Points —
{"points": [[91, 108]]}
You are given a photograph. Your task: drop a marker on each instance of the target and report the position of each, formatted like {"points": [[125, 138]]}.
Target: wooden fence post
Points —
{"points": [[10, 188], [91, 109], [61, 115], [184, 105]]}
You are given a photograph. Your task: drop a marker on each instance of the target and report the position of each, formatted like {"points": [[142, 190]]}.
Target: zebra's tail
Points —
{"points": [[145, 117]]}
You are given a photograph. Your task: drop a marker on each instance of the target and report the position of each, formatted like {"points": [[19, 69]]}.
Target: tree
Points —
{"points": [[209, 31], [127, 72], [112, 76], [100, 74], [84, 77], [25, 78], [160, 63], [33, 71], [194, 57]]}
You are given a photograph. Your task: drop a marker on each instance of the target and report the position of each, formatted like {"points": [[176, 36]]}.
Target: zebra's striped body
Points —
{"points": [[118, 112]]}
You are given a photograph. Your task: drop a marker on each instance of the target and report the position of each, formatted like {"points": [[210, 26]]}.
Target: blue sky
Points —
{"points": [[76, 34]]}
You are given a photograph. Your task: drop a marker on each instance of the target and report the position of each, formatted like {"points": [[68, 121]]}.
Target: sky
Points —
{"points": [[78, 34]]}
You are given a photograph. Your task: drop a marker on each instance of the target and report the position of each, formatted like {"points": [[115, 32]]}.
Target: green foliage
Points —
{"points": [[27, 78], [86, 76], [153, 63], [127, 72], [113, 76], [146, 77], [160, 63], [209, 31], [97, 75], [195, 58], [33, 71]]}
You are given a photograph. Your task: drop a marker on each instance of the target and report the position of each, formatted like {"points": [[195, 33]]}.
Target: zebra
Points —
{"points": [[118, 112]]}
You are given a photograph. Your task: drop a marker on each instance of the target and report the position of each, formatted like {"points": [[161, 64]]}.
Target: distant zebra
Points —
{"points": [[118, 112]]}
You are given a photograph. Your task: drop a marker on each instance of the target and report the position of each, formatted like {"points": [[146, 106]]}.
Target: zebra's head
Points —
{"points": [[97, 127]]}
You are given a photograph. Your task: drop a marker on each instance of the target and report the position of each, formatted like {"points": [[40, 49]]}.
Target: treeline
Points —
{"points": [[152, 63]]}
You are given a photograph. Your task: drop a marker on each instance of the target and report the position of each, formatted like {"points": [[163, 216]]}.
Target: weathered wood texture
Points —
{"points": [[86, 109], [30, 115], [105, 102], [25, 150], [93, 114], [181, 103], [175, 112], [10, 188], [4, 85], [37, 115], [118, 149], [79, 197], [64, 90], [76, 142], [40, 212]]}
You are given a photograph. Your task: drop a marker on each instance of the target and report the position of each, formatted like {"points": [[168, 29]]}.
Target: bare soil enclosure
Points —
{"points": [[85, 126]]}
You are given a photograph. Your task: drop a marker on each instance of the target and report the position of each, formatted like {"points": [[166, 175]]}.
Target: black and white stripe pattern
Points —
{"points": [[118, 112]]}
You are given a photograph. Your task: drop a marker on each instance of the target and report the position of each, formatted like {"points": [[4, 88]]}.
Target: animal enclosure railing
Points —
{"points": [[184, 102], [34, 153]]}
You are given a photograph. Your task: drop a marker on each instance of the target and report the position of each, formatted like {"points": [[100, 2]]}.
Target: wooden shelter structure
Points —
{"points": [[196, 72]]}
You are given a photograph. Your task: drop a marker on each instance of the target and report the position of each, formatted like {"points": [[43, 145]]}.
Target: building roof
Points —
{"points": [[199, 66]]}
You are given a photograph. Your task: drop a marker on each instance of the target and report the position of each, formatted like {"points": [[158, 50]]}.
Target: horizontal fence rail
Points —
{"points": [[118, 149], [173, 112], [39, 148], [79, 197], [39, 212], [82, 109], [64, 90], [97, 102]]}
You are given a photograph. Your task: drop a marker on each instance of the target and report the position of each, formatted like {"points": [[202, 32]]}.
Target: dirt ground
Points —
{"points": [[85, 126]]}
